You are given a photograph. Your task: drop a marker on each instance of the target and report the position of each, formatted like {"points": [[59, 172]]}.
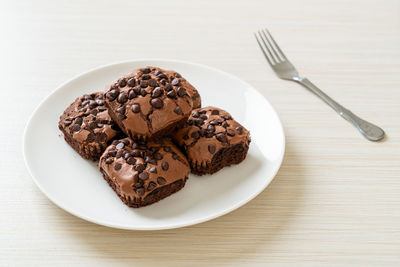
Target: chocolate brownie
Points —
{"points": [[87, 127], [150, 102], [142, 173], [212, 139]]}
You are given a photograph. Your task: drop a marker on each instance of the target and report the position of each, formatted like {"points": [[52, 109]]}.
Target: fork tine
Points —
{"points": [[266, 48], [271, 47], [276, 45], [263, 50]]}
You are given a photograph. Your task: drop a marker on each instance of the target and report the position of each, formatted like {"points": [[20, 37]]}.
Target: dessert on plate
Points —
{"points": [[212, 139], [87, 127]]}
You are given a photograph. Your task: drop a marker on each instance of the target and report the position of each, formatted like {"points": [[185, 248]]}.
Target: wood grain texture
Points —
{"points": [[336, 198]]}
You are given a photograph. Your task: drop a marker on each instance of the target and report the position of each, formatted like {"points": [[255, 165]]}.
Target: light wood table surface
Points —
{"points": [[336, 198]]}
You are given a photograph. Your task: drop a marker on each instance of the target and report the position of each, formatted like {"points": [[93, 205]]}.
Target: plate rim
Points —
{"points": [[154, 227]]}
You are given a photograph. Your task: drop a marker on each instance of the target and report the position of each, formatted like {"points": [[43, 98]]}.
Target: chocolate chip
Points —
{"points": [[122, 82], [136, 89], [215, 112], [181, 91], [100, 96], [75, 127], [175, 82], [136, 152], [112, 153], [121, 110], [140, 191], [177, 75], [115, 142], [139, 167], [127, 155], [211, 128], [119, 154], [157, 92], [120, 146], [195, 114], [145, 77], [135, 108], [167, 149], [143, 92], [146, 70], [157, 72], [78, 121], [203, 111], [214, 122], [131, 82], [168, 87], [122, 98], [143, 176], [93, 125], [225, 124], [171, 94], [67, 122], [165, 166], [85, 103], [157, 103], [143, 83], [239, 130], [203, 117], [221, 137], [161, 180], [131, 160], [230, 132], [131, 94], [162, 76], [94, 112], [148, 159], [178, 110], [87, 97], [174, 155], [109, 160], [153, 169], [211, 149], [158, 156], [112, 95], [92, 104], [152, 83], [151, 186], [100, 102], [117, 166], [195, 134]]}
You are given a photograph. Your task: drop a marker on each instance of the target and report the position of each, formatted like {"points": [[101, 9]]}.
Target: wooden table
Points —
{"points": [[336, 198]]}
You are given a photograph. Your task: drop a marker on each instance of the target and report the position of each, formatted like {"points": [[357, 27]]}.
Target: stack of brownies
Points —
{"points": [[148, 131]]}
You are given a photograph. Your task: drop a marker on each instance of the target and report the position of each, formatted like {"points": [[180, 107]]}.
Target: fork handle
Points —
{"points": [[367, 129]]}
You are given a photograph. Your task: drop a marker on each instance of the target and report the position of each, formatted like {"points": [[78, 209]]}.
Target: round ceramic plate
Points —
{"points": [[76, 185]]}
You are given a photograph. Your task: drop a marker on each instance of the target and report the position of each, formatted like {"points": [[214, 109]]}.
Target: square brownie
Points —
{"points": [[142, 173], [212, 139], [87, 127], [150, 102]]}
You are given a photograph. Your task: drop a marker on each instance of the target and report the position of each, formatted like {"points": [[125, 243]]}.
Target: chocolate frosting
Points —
{"points": [[88, 122], [149, 100], [208, 130], [137, 168]]}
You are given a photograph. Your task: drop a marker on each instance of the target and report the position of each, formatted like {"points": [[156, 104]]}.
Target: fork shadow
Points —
{"points": [[266, 217]]}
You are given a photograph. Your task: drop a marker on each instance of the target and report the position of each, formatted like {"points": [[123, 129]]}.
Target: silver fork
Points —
{"points": [[286, 71]]}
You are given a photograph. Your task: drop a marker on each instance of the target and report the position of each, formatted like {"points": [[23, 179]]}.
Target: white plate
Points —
{"points": [[76, 185]]}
